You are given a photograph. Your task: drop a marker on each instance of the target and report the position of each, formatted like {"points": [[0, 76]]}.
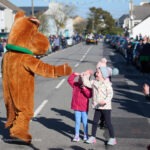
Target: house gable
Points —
{"points": [[6, 4], [141, 12]]}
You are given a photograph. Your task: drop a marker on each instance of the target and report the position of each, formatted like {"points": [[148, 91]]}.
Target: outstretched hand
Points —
{"points": [[76, 73], [146, 89], [87, 72]]}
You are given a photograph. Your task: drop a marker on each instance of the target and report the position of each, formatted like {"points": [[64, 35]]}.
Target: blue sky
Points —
{"points": [[115, 7]]}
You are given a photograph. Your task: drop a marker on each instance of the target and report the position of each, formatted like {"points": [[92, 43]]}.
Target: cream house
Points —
{"points": [[7, 13]]}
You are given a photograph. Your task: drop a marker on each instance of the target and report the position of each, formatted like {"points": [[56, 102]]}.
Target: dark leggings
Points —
{"points": [[107, 117]]}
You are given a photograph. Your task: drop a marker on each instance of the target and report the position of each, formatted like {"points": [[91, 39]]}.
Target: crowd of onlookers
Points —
{"points": [[136, 51], [60, 42], [57, 42]]}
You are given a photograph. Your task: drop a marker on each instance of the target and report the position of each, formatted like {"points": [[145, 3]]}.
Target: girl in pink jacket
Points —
{"points": [[80, 104]]}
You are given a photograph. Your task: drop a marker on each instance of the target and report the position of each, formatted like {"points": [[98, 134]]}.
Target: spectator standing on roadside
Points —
{"points": [[63, 42], [129, 51], [4, 44], [1, 48], [80, 104], [137, 53], [56, 43], [145, 55]]}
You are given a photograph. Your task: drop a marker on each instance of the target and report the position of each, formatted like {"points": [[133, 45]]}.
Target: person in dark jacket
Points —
{"points": [[1, 49], [145, 56], [80, 104], [129, 51]]}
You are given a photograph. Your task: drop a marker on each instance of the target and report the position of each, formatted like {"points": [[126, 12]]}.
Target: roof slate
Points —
{"points": [[141, 12], [28, 10], [9, 5]]}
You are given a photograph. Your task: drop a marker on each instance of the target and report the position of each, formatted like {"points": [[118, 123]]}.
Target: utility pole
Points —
{"points": [[32, 7], [131, 16], [93, 26]]}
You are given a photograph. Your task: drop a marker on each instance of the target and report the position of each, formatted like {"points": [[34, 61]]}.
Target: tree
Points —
{"points": [[79, 25], [59, 13], [44, 25], [100, 21]]}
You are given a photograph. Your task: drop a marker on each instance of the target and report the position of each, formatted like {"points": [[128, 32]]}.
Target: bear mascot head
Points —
{"points": [[19, 65]]}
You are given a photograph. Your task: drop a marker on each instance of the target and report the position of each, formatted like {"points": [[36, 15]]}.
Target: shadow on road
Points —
{"points": [[7, 139], [57, 125]]}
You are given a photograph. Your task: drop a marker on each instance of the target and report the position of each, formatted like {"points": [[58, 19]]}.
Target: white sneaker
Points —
{"points": [[85, 138], [91, 140], [112, 141], [76, 139]]}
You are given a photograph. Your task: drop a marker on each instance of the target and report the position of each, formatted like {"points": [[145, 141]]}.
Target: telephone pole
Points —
{"points": [[131, 16], [32, 7]]}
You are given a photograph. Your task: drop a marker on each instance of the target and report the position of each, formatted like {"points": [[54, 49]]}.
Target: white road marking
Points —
{"points": [[60, 83], [37, 111], [81, 59], [76, 65]]}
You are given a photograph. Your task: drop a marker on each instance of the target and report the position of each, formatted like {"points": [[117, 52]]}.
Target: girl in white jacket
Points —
{"points": [[101, 101]]}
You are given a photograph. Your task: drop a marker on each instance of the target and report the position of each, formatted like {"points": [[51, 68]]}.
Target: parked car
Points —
{"points": [[4, 35], [70, 41], [91, 41], [123, 47], [114, 41], [107, 38]]}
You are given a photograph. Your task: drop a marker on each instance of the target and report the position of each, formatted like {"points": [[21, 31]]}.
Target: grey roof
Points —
{"points": [[28, 10], [141, 12], [123, 17], [6, 3]]}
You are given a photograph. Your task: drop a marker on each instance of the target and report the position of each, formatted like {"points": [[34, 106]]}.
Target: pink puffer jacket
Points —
{"points": [[80, 96]]}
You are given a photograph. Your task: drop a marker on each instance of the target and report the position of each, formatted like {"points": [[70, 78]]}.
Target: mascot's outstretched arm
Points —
{"points": [[19, 67]]}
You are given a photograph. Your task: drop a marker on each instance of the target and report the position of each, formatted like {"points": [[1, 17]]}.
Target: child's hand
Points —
{"points": [[77, 74], [146, 89], [89, 72], [102, 103], [86, 73]]}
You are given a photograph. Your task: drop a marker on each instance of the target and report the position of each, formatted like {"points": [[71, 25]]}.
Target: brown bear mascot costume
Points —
{"points": [[18, 68]]}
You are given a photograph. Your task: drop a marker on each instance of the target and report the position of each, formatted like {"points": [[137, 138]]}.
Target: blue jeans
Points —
{"points": [[78, 116]]}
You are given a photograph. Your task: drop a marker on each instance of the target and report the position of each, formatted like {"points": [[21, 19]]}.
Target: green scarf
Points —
{"points": [[11, 47]]}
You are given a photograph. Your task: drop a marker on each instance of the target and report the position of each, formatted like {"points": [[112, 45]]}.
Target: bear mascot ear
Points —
{"points": [[24, 33], [19, 15]]}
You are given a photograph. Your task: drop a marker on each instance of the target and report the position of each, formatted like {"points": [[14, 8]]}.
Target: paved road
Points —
{"points": [[52, 127]]}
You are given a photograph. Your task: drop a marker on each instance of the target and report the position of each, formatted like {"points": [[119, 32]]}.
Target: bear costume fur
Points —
{"points": [[19, 65]]}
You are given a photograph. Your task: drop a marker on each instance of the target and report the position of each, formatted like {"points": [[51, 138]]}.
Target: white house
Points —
{"points": [[68, 31], [57, 10], [7, 13], [139, 13], [142, 28]]}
